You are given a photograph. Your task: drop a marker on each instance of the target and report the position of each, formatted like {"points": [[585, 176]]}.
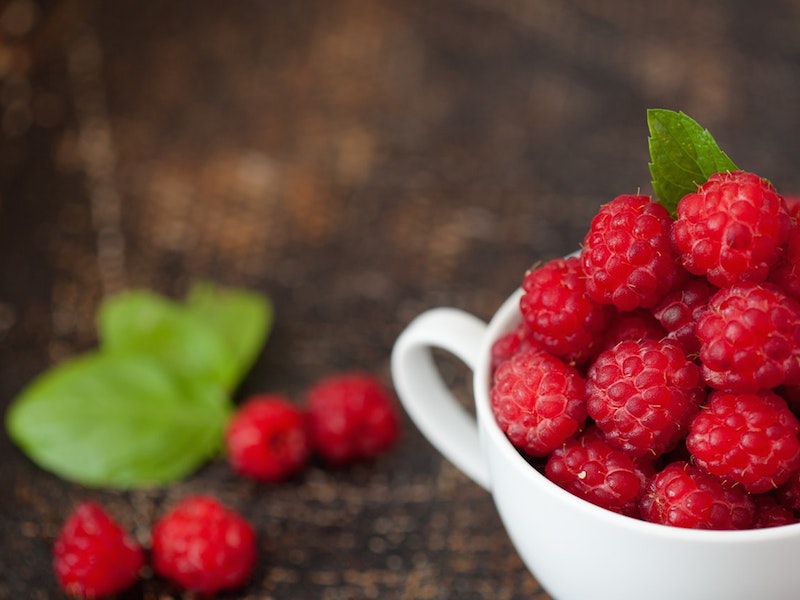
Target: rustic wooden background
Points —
{"points": [[358, 161]]}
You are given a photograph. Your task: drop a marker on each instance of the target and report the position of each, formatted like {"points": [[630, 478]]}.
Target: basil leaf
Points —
{"points": [[143, 322], [683, 156], [242, 319], [118, 421]]}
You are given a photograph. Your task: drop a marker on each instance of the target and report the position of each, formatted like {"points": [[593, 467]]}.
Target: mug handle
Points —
{"points": [[427, 400]]}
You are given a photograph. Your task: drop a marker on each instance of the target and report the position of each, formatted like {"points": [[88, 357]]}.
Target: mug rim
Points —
{"points": [[503, 321]]}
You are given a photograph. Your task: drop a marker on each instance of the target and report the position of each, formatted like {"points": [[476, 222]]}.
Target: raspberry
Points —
{"points": [[786, 271], [636, 325], [627, 254], [751, 439], [732, 228], [680, 309], [538, 401], [790, 393], [770, 513], [93, 556], [750, 338], [788, 493], [510, 344], [681, 495], [643, 395], [352, 417], [561, 316], [267, 439], [203, 546], [591, 469]]}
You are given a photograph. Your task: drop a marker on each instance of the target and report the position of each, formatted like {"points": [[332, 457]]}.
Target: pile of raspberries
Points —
{"points": [[656, 373]]}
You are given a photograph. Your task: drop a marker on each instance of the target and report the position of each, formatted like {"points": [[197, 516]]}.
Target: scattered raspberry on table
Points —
{"points": [[268, 439], [352, 417], [94, 556], [203, 546]]}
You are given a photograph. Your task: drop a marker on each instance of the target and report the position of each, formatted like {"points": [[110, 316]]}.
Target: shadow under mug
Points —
{"points": [[575, 550]]}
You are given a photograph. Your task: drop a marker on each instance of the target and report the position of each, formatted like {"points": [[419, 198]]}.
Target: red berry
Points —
{"points": [[643, 395], [627, 254], [679, 311], [751, 439], [732, 228], [786, 271], [538, 400], [681, 495], [770, 512], [267, 439], [750, 338], [203, 546], [591, 469], [93, 556], [635, 325], [352, 417], [561, 316], [788, 493], [511, 343]]}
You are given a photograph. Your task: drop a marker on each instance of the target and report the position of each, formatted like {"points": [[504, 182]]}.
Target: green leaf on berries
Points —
{"points": [[683, 156], [111, 420]]}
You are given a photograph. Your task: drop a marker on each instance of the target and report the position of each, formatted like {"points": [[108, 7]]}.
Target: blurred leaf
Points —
{"points": [[150, 405], [118, 421], [242, 319]]}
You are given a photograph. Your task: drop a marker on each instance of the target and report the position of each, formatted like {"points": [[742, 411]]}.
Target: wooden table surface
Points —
{"points": [[359, 162]]}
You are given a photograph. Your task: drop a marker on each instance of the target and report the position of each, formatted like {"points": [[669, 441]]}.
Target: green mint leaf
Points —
{"points": [[150, 405], [119, 421], [142, 322], [242, 319], [683, 156]]}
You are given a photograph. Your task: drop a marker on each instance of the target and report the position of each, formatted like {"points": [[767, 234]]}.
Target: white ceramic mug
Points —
{"points": [[577, 551]]}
